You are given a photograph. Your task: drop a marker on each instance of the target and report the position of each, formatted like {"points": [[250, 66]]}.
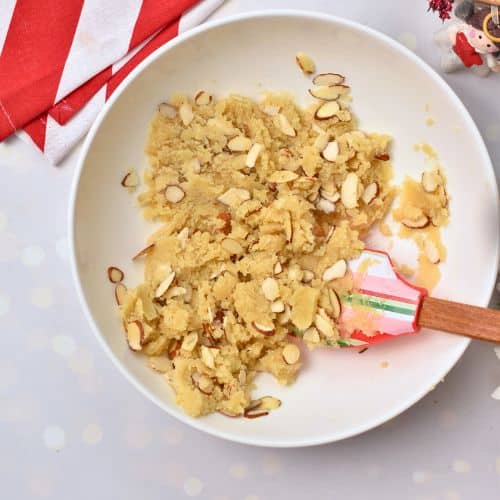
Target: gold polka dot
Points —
{"points": [[239, 471], [193, 486], [42, 297], [461, 466], [92, 434]]}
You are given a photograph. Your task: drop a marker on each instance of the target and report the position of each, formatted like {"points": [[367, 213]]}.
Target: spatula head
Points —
{"points": [[382, 305]]}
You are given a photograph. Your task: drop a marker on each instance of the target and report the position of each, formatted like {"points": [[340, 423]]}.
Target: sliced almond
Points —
{"points": [[253, 154], [278, 306], [333, 197], [285, 316], [167, 110], [120, 293], [349, 191], [282, 176], [331, 151], [370, 193], [183, 236], [255, 413], [270, 289], [278, 268], [190, 341], [165, 285], [430, 181], [291, 354], [419, 223], [311, 335], [173, 348], [383, 157], [234, 197], [267, 330], [328, 79], [239, 143], [305, 63], [160, 364], [143, 252], [204, 383], [336, 271], [207, 356], [135, 335], [271, 109], [115, 275], [265, 403], [308, 276], [202, 98], [196, 165], [325, 206], [324, 324], [288, 225], [186, 113], [328, 92], [431, 251], [176, 291], [174, 193], [335, 303], [131, 180], [327, 110], [321, 142], [232, 246], [285, 126], [330, 232]]}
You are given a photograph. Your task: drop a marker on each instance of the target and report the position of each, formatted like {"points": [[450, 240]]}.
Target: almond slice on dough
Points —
{"points": [[349, 191], [336, 271], [291, 354], [285, 126], [174, 193], [253, 154], [239, 144], [202, 98], [331, 151], [186, 113], [270, 289], [370, 193], [327, 110]]}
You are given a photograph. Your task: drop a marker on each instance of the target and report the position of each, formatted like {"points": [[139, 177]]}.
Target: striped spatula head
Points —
{"points": [[382, 304]]}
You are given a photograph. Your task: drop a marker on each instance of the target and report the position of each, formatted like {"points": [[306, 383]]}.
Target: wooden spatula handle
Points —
{"points": [[476, 322]]}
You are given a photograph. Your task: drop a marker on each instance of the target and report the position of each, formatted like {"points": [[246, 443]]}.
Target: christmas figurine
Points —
{"points": [[473, 39]]}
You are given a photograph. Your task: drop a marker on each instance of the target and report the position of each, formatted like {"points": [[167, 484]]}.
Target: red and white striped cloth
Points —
{"points": [[60, 60]]}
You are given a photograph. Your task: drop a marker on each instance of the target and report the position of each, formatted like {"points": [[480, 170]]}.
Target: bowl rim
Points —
{"points": [[214, 24]]}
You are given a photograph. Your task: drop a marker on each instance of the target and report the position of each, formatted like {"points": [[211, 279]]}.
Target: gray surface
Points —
{"points": [[54, 378]]}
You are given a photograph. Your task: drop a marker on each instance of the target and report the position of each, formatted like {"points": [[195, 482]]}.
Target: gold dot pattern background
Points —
{"points": [[71, 427]]}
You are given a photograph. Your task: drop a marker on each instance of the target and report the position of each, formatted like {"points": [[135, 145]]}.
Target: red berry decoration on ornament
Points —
{"points": [[444, 7]]}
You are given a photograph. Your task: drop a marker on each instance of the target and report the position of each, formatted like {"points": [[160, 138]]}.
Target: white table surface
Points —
{"points": [[72, 428]]}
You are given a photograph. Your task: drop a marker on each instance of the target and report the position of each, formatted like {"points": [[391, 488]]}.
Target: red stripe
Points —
{"points": [[161, 38], [65, 109], [33, 57], [395, 288], [154, 14], [37, 129], [150, 19]]}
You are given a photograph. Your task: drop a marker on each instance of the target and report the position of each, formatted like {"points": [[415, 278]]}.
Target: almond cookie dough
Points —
{"points": [[260, 205]]}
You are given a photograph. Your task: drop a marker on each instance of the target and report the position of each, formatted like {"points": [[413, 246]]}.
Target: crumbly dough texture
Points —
{"points": [[214, 328]]}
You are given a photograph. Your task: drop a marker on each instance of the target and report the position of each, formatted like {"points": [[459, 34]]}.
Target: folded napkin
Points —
{"points": [[60, 61]]}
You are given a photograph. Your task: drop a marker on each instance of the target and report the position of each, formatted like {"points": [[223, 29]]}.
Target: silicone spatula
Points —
{"points": [[383, 305]]}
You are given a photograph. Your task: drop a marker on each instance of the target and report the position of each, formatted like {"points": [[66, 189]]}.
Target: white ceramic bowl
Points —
{"points": [[339, 393]]}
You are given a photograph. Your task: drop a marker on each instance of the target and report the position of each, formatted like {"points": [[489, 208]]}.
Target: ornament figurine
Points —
{"points": [[472, 40]]}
